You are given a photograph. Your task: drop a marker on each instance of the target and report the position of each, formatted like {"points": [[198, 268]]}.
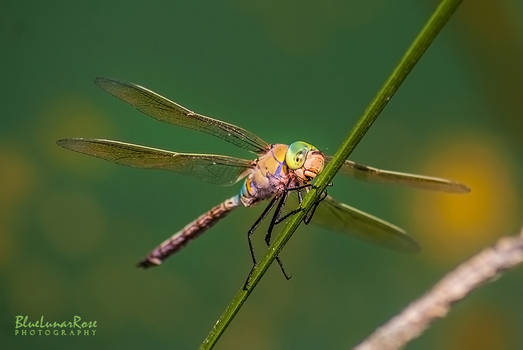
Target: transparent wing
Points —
{"points": [[217, 169], [368, 173], [163, 109], [341, 217]]}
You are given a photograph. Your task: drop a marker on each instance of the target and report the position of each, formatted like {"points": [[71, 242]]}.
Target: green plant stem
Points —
{"points": [[431, 29]]}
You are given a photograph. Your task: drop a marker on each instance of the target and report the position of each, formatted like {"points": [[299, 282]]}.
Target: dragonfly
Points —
{"points": [[277, 171]]}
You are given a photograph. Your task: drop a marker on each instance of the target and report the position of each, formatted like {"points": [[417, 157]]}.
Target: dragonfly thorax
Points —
{"points": [[280, 168]]}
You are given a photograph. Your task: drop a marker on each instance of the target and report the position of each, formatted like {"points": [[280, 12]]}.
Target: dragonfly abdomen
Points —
{"points": [[189, 232]]}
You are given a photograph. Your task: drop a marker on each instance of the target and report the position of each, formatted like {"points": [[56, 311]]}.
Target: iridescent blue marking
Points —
{"points": [[243, 191], [278, 170], [280, 164]]}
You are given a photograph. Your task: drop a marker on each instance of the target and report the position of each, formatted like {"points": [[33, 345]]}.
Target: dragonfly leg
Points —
{"points": [[298, 188], [309, 215], [255, 225], [274, 220], [300, 200], [251, 232], [287, 276], [284, 217], [300, 197], [275, 217]]}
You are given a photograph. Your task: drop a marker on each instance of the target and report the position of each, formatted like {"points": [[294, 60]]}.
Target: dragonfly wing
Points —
{"points": [[368, 173], [341, 217], [163, 109], [217, 169]]}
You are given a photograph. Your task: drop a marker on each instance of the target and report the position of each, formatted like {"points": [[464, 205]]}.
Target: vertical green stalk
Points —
{"points": [[422, 41]]}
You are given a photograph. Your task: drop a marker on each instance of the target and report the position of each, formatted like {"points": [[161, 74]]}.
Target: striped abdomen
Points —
{"points": [[190, 231]]}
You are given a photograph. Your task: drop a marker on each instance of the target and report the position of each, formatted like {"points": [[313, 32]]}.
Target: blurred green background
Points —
{"points": [[73, 227]]}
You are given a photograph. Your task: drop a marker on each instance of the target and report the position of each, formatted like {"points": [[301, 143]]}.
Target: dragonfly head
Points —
{"points": [[304, 159]]}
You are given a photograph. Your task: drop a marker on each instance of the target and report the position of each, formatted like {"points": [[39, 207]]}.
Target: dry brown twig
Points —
{"points": [[457, 284]]}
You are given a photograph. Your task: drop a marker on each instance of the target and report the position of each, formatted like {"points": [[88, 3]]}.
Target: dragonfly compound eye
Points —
{"points": [[296, 154]]}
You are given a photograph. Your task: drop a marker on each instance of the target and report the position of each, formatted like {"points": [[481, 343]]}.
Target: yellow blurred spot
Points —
{"points": [[482, 328], [72, 117], [456, 225], [257, 331], [6, 242], [73, 222], [17, 179]]}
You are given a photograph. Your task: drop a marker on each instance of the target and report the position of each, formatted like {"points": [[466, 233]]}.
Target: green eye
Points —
{"points": [[296, 154]]}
